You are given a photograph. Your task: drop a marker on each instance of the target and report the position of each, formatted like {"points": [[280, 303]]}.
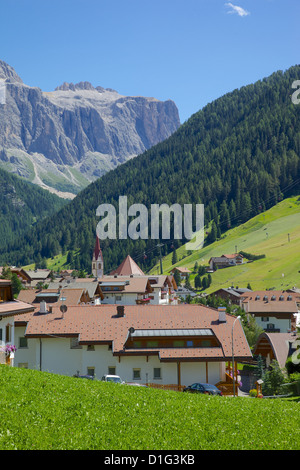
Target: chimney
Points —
{"points": [[222, 314], [43, 307], [120, 311]]}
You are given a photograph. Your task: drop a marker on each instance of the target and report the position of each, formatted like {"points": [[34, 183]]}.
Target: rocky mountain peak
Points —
{"points": [[73, 87], [66, 140], [8, 73]]}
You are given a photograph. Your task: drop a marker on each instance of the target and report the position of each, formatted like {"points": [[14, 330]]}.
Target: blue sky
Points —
{"points": [[190, 51]]}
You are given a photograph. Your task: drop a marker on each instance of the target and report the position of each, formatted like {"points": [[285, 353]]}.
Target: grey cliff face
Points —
{"points": [[77, 132]]}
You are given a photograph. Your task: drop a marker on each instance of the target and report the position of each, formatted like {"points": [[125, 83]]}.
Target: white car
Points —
{"points": [[112, 378]]}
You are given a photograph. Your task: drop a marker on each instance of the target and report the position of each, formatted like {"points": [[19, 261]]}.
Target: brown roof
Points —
{"points": [[100, 324], [273, 306], [136, 284], [14, 307], [71, 296], [251, 295], [181, 270], [271, 301], [127, 267]]}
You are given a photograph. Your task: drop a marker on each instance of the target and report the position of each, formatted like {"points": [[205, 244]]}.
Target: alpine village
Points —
{"points": [[215, 330]]}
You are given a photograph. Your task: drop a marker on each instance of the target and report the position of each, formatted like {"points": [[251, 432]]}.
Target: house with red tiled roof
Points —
{"points": [[166, 345], [9, 309], [55, 296], [143, 290], [183, 272], [225, 261], [274, 311]]}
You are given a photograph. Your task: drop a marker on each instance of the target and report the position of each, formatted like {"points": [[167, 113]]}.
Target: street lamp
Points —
{"points": [[233, 378]]}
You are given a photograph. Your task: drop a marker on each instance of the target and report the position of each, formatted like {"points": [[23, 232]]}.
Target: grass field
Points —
{"points": [[275, 233], [43, 411]]}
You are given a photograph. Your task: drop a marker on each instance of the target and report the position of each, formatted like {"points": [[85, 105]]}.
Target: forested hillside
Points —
{"points": [[239, 155], [22, 204]]}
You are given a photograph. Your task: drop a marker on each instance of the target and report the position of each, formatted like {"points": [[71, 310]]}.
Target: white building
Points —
{"points": [[146, 344], [9, 308], [274, 311], [138, 289]]}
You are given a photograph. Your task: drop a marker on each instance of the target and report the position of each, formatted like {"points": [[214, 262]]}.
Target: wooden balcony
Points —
{"points": [[143, 301], [226, 386]]}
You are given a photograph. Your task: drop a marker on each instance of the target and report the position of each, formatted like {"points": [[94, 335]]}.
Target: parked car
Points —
{"points": [[207, 389], [112, 378], [90, 377]]}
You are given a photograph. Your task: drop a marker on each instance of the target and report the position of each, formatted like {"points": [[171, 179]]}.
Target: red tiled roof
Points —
{"points": [[14, 307], [127, 267], [71, 296], [100, 324]]}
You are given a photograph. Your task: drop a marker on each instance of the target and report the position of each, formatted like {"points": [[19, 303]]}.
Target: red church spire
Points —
{"points": [[97, 249]]}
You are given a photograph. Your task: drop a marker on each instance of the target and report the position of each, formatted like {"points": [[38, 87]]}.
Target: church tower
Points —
{"points": [[97, 263]]}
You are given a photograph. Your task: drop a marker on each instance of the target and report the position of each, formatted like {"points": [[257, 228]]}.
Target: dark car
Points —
{"points": [[207, 389]]}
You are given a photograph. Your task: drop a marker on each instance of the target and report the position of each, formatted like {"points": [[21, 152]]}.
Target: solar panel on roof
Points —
{"points": [[176, 332]]}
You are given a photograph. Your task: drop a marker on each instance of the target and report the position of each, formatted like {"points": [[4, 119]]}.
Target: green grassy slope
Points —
{"points": [[43, 411], [275, 233]]}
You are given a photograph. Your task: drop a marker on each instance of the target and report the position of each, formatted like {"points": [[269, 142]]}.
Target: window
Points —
{"points": [[178, 344], [23, 342], [157, 373], [0, 334], [136, 374], [270, 326], [8, 334], [189, 344], [74, 344], [91, 371], [111, 371], [118, 297], [264, 318], [206, 343], [90, 347], [152, 344]]}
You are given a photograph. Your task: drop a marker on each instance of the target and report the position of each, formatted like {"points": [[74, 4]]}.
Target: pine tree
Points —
{"points": [[198, 282], [174, 257]]}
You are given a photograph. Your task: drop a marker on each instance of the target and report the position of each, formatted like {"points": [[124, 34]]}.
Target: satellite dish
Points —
{"points": [[63, 308], [131, 330]]}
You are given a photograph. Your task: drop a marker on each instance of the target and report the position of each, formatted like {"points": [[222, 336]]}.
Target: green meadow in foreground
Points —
{"points": [[44, 411]]}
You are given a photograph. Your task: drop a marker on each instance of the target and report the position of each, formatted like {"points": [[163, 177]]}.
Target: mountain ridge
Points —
{"points": [[77, 130]]}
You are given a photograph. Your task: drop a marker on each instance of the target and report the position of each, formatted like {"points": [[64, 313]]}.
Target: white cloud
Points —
{"points": [[236, 9]]}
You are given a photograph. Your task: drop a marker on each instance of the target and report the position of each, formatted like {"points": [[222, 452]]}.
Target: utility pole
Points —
{"points": [[159, 245]]}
